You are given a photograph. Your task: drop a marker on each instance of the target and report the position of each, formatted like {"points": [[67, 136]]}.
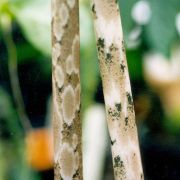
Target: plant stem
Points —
{"points": [[117, 90], [66, 89], [13, 75]]}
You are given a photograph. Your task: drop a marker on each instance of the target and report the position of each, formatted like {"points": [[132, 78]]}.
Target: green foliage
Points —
{"points": [[26, 52], [34, 19], [127, 21], [89, 61], [134, 59], [8, 117], [12, 153], [14, 166], [160, 32]]}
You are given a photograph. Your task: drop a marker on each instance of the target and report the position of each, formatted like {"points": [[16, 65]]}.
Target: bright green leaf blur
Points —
{"points": [[34, 18]]}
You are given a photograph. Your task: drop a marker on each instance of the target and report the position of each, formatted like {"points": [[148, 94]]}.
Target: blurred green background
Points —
{"points": [[152, 37]]}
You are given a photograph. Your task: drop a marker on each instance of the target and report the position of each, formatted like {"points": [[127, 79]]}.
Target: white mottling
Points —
{"points": [[141, 12], [71, 3], [69, 64], [75, 53], [58, 29], [57, 140], [108, 30], [76, 160], [78, 96], [63, 14], [57, 121], [125, 152], [68, 104], [56, 51], [113, 96], [53, 5], [60, 20], [124, 108], [59, 76], [67, 161], [127, 90], [74, 140], [75, 40]]}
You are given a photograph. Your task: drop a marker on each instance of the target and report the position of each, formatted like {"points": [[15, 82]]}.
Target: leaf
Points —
{"points": [[26, 52], [161, 32], [134, 60], [34, 19]]}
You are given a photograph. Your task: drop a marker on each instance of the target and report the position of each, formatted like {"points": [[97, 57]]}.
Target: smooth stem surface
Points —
{"points": [[66, 90], [117, 90]]}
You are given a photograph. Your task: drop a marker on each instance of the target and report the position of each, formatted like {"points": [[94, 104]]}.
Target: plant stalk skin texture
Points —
{"points": [[117, 90], [66, 90]]}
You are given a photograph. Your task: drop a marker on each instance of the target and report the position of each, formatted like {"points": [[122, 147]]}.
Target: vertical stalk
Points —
{"points": [[117, 90], [66, 90], [13, 72]]}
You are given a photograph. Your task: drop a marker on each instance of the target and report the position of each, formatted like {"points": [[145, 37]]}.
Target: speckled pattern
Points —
{"points": [[66, 90], [117, 90]]}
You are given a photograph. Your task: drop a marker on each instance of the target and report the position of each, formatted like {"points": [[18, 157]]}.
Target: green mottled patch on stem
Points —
{"points": [[108, 58], [113, 47], [114, 113], [118, 162], [122, 66], [93, 9], [100, 43], [76, 174], [112, 142], [126, 121], [118, 106], [129, 98]]}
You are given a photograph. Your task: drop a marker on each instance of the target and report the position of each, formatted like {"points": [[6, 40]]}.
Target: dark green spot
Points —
{"points": [[112, 47], [118, 106], [126, 121], [112, 142], [122, 66], [123, 47], [93, 9], [108, 58], [129, 98], [114, 113], [100, 43], [76, 175], [118, 162]]}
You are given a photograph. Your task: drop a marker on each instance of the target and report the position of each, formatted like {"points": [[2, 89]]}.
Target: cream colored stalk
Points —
{"points": [[66, 90], [117, 90]]}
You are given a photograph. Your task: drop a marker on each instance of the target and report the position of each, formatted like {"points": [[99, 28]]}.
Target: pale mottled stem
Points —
{"points": [[117, 90], [66, 90]]}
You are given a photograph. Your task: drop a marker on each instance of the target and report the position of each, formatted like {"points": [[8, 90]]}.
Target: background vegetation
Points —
{"points": [[151, 29]]}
